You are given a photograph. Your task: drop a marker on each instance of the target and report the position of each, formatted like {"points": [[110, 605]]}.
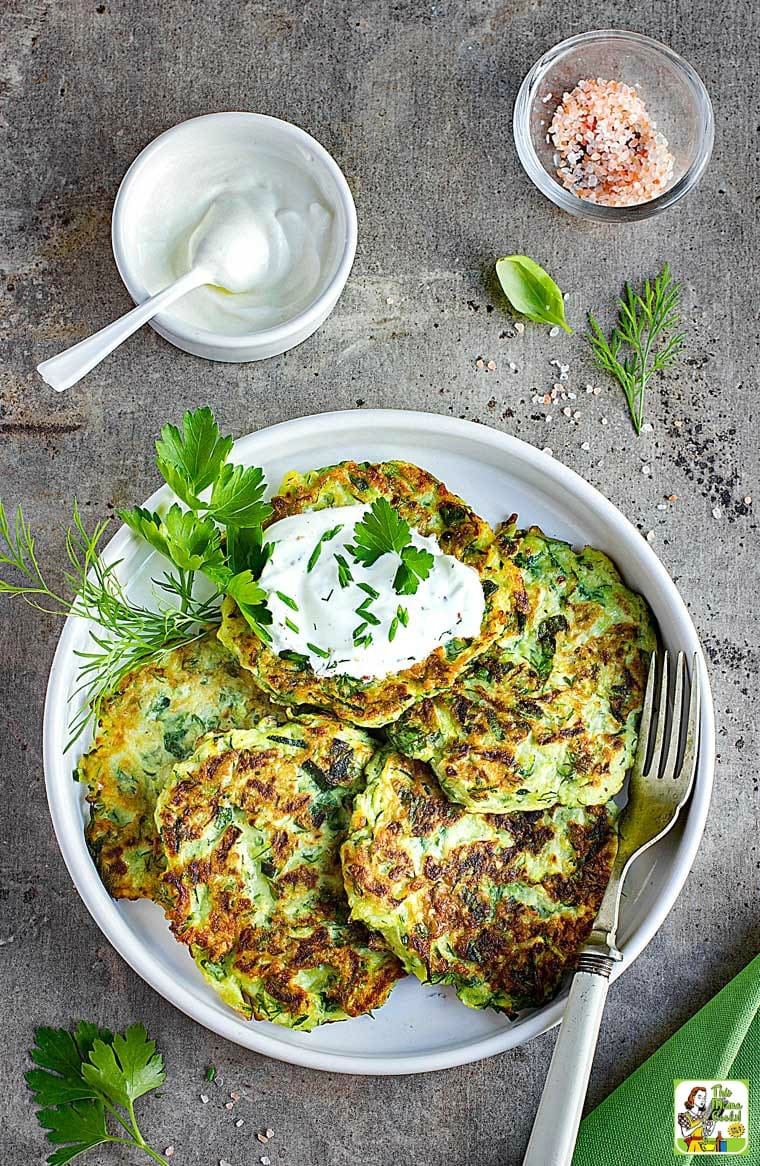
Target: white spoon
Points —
{"points": [[227, 249]]}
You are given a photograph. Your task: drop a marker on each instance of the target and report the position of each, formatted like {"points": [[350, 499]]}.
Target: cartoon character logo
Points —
{"points": [[711, 1116], [696, 1125]]}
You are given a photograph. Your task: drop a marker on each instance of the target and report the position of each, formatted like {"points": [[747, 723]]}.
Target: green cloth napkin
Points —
{"points": [[634, 1125]]}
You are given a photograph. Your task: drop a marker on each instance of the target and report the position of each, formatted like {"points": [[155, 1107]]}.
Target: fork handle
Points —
{"points": [[555, 1128]]}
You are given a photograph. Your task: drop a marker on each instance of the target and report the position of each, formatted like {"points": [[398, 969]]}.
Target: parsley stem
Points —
{"points": [[140, 1140], [115, 1114]]}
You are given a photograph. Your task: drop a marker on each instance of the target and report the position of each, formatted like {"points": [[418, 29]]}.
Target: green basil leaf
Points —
{"points": [[531, 291]]}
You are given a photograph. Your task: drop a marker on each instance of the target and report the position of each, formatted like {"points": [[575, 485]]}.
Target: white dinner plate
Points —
{"points": [[422, 1027]]}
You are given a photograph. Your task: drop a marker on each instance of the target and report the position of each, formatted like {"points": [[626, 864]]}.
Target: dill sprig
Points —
{"points": [[220, 538], [125, 635], [643, 319]]}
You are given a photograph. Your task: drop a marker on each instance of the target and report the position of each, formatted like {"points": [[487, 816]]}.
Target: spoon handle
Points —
{"points": [[64, 370]]}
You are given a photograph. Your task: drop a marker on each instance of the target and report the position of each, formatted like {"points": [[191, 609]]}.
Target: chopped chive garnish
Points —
{"points": [[359, 630], [403, 615], [369, 590], [210, 1073], [286, 599], [325, 538], [297, 658], [318, 651], [364, 642], [393, 629], [368, 615], [289, 624], [344, 571]]}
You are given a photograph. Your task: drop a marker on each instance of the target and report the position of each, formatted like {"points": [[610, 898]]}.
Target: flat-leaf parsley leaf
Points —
{"points": [[190, 460], [384, 532], [85, 1075]]}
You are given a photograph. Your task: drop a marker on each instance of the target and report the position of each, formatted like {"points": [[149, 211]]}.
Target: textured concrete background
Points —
{"points": [[415, 102]]}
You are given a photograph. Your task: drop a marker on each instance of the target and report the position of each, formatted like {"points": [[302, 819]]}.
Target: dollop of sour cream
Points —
{"points": [[279, 247], [316, 617]]}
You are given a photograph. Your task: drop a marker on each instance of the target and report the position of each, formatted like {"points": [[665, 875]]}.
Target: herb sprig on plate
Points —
{"points": [[382, 532], [84, 1077], [220, 539], [631, 354]]}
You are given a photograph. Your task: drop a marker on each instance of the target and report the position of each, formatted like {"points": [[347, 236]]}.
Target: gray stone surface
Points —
{"points": [[414, 100]]}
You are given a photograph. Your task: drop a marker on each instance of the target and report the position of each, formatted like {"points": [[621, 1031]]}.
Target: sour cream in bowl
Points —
{"points": [[284, 230]]}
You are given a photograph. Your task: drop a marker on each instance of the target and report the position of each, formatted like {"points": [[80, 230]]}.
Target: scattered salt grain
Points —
{"points": [[169, 1152], [604, 420], [596, 390], [269, 1133], [747, 499], [519, 328], [548, 451], [262, 1138], [585, 445], [224, 1162], [554, 331], [229, 1104], [491, 366], [480, 363], [716, 512], [235, 1096], [567, 411], [650, 536], [238, 1123], [647, 428], [678, 424], [204, 1098], [265, 1161], [646, 471], [662, 505], [512, 366]]}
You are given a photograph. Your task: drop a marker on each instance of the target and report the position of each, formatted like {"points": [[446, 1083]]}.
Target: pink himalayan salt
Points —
{"points": [[608, 150]]}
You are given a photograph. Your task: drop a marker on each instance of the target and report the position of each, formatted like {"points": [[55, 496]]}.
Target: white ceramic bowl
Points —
{"points": [[422, 1027], [240, 133]]}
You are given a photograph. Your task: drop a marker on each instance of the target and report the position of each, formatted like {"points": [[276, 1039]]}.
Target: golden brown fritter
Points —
{"points": [[252, 826], [429, 507], [495, 904], [152, 721], [550, 713]]}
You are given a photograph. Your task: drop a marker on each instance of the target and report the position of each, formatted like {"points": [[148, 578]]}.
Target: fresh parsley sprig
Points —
{"points": [[221, 538], [383, 531], [191, 461], [416, 565], [82, 1077], [631, 355]]}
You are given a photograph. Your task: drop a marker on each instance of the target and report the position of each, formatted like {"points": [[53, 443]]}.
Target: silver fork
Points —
{"points": [[657, 791]]}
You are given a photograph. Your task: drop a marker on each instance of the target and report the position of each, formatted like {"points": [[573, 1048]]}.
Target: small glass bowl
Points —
{"points": [[671, 90]]}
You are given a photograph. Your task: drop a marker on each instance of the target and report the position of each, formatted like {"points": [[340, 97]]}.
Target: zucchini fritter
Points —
{"points": [[152, 721], [252, 826], [495, 904], [429, 507], [550, 713]]}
